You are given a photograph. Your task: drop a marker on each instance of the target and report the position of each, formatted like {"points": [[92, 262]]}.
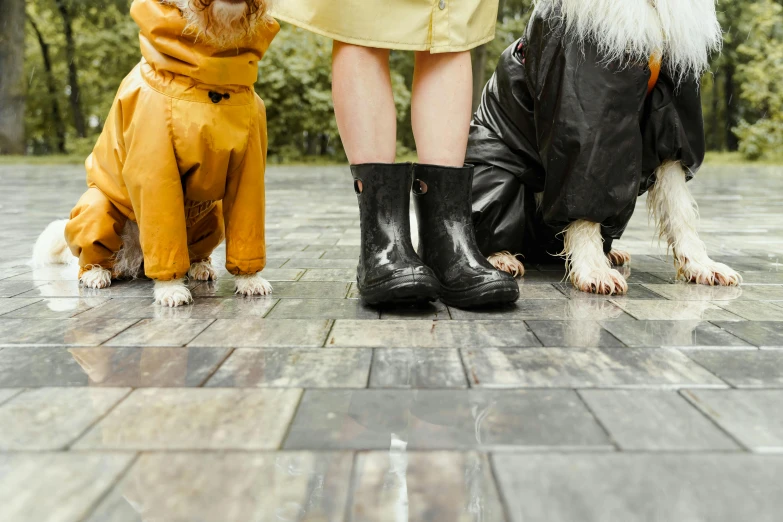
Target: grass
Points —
{"points": [[735, 158], [713, 158]]}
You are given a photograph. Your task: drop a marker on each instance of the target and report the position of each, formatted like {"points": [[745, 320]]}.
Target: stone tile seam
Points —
{"points": [[715, 423]]}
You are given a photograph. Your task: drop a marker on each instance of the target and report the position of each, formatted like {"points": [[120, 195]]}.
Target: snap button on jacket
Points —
{"points": [[186, 166]]}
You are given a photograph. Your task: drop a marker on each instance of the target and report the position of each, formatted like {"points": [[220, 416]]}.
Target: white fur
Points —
{"points": [[172, 293], [202, 271], [96, 277], [676, 214], [129, 258], [224, 26], [507, 262], [586, 264], [51, 248], [618, 257], [686, 32], [254, 284]]}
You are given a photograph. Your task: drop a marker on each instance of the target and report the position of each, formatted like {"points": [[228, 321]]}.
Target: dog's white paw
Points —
{"points": [[604, 281], [707, 272], [96, 277], [619, 257], [252, 285], [202, 271], [507, 262], [172, 293]]}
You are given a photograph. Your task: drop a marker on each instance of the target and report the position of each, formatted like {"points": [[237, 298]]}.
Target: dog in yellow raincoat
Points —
{"points": [[180, 163]]}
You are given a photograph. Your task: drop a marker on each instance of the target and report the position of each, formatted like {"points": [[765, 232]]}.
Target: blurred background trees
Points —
{"points": [[62, 61]]}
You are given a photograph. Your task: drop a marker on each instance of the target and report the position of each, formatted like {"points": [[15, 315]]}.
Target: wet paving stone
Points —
{"points": [[312, 290], [203, 309], [549, 310], [741, 369], [57, 308], [56, 486], [431, 334], [753, 417], [74, 332], [444, 419], [417, 368], [136, 367], [660, 310], [584, 368], [662, 405], [650, 420], [251, 333], [322, 309], [759, 333], [685, 334], [639, 487], [754, 310], [231, 486], [456, 486], [182, 419], [294, 368], [8, 304], [576, 333], [52, 418], [160, 332]]}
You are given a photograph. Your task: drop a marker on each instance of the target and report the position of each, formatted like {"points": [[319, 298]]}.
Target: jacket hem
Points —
{"points": [[380, 44]]}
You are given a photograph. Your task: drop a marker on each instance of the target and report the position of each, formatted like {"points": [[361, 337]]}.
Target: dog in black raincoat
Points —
{"points": [[597, 104]]}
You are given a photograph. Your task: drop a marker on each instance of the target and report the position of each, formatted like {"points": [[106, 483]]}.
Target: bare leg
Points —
{"points": [[364, 103], [441, 107]]}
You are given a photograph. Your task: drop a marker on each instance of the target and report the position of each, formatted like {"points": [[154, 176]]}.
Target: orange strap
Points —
{"points": [[655, 71]]}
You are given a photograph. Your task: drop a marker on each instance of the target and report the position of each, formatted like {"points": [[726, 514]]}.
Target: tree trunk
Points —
{"points": [[12, 77], [73, 79], [479, 68], [732, 144], [51, 86], [479, 56], [312, 144], [715, 130]]}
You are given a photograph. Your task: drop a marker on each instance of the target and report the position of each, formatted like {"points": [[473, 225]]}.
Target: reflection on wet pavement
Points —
{"points": [[661, 405]]}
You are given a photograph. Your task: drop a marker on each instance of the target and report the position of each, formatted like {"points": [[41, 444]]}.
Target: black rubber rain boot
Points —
{"points": [[389, 270], [447, 242]]}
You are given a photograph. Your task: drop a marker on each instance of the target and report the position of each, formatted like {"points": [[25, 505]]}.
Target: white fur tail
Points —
{"points": [[51, 248]]}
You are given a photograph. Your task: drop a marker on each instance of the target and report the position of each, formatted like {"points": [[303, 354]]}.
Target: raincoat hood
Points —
{"points": [[169, 45]]}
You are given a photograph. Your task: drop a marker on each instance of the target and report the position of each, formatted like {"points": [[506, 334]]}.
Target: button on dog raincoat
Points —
{"points": [[182, 153]]}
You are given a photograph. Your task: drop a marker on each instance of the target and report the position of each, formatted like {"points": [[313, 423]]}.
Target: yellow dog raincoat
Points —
{"points": [[182, 153]]}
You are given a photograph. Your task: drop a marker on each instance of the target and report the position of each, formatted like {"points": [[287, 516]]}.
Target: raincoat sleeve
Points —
{"points": [[154, 185], [673, 128], [244, 205]]}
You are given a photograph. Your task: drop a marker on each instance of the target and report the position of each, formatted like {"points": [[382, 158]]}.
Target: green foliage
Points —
{"points": [[742, 97], [760, 74]]}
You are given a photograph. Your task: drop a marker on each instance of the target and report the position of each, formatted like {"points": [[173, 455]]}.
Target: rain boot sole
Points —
{"points": [[402, 290], [489, 294]]}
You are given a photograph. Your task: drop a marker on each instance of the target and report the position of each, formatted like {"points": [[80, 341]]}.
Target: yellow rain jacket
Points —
{"points": [[182, 153]]}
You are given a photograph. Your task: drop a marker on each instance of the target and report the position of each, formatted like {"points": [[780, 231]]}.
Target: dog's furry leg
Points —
{"points": [[254, 284], [619, 257], [96, 277], [129, 258], [51, 248], [507, 262], [172, 293], [676, 214], [586, 264], [202, 271]]}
